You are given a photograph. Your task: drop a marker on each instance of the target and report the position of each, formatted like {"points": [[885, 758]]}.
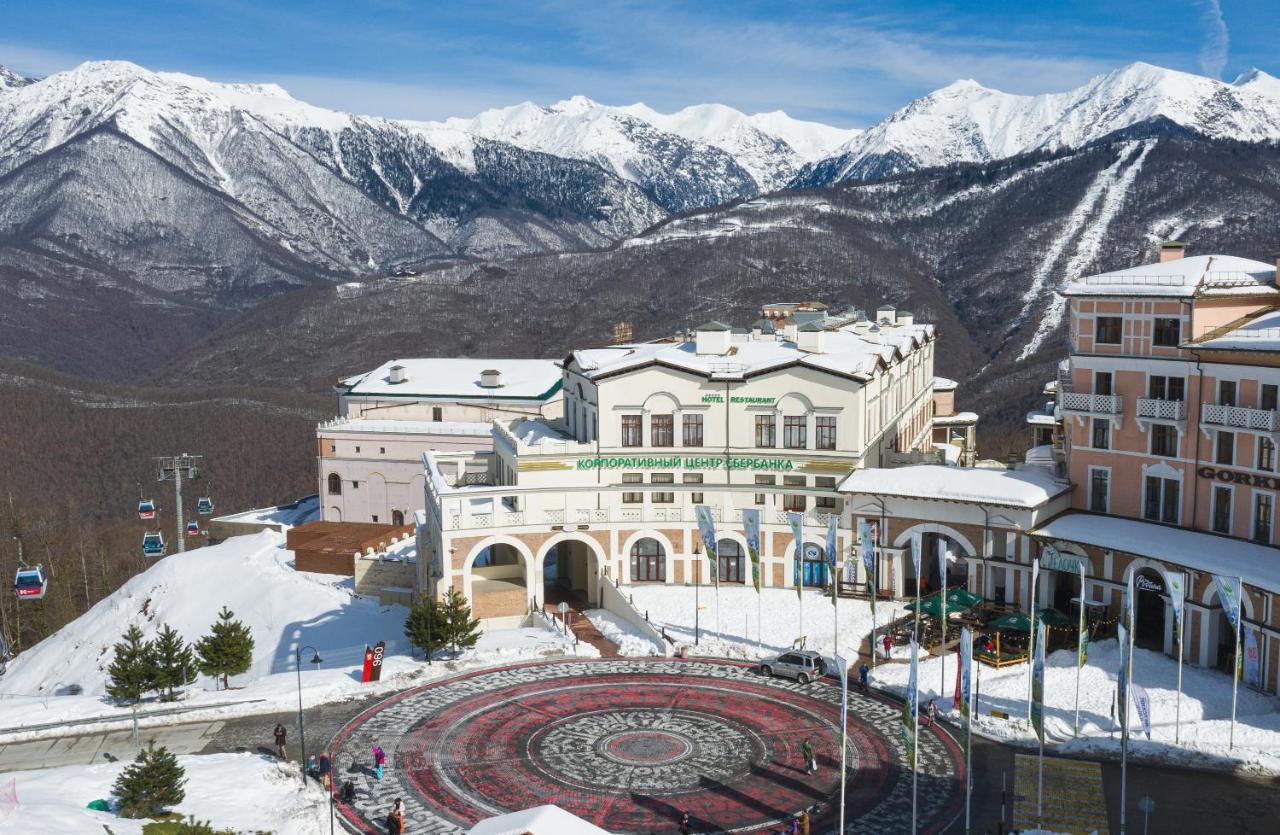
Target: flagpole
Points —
{"points": [[1177, 710], [873, 585], [1031, 636], [942, 603], [1126, 650], [1040, 642], [915, 725], [1079, 643], [1235, 672]]}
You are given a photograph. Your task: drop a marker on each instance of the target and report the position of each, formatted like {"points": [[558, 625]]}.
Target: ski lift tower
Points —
{"points": [[174, 467]]}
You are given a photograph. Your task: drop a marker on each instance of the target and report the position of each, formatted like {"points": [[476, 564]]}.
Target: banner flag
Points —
{"points": [[1229, 591], [1037, 684], [910, 707], [751, 527], [1035, 579], [1082, 654], [707, 527], [1142, 703], [1252, 669], [1177, 592], [868, 548], [796, 520], [917, 544], [1122, 681], [833, 571], [942, 579], [965, 691]]}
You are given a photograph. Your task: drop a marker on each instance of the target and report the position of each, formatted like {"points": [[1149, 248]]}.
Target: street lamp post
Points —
{"points": [[302, 731], [697, 591]]}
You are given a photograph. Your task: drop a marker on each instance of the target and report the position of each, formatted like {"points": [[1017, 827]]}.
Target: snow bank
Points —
{"points": [[1205, 713], [244, 792], [733, 632], [630, 640]]}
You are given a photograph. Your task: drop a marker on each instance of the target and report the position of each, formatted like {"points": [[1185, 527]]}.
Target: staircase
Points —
{"points": [[583, 629]]}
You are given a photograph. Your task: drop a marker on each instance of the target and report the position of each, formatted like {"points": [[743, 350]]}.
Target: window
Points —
{"points": [[1099, 490], [691, 430], [437, 414], [1102, 382], [1221, 521], [375, 517], [763, 480], [1167, 333], [791, 501], [1161, 504], [1107, 330], [355, 485], [661, 430], [357, 449], [632, 478], [1266, 454], [1268, 399], [397, 518], [794, 431], [1226, 393], [1166, 388], [1101, 434], [663, 497], [693, 478], [1164, 440], [335, 484], [1225, 448], [382, 450], [631, 432], [1263, 504], [765, 436], [648, 562], [825, 430], [825, 502], [729, 554]]}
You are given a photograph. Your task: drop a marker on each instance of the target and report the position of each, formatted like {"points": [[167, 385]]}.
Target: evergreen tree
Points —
{"points": [[460, 629], [425, 618], [175, 662], [132, 669], [228, 648], [151, 784]]}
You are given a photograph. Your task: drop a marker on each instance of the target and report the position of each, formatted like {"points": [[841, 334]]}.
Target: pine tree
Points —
{"points": [[425, 618], [175, 662], [228, 648], [132, 669], [460, 629], [151, 784]]}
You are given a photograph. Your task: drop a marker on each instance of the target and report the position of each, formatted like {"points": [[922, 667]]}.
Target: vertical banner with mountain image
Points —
{"points": [[911, 705], [1082, 651], [751, 528], [831, 558], [1177, 592], [707, 528], [796, 520], [1037, 684]]}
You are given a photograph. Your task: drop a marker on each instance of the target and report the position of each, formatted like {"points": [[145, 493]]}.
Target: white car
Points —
{"points": [[802, 665]]}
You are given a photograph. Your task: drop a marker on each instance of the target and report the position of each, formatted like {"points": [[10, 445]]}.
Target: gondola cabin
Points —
{"points": [[30, 583], [204, 505], [153, 545], [193, 528], [146, 509]]}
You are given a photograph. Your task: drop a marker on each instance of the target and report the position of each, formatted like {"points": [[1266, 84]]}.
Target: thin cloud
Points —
{"points": [[1217, 40], [34, 61]]}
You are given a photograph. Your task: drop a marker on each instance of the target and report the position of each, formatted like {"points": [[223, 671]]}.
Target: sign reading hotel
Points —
{"points": [[687, 462], [736, 398]]}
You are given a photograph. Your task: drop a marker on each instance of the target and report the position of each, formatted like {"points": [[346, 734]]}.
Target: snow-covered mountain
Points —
{"points": [[698, 157], [966, 122], [9, 79]]}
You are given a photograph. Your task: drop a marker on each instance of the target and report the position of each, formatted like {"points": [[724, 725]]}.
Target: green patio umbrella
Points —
{"points": [[958, 599], [1015, 621], [931, 605], [1053, 617]]}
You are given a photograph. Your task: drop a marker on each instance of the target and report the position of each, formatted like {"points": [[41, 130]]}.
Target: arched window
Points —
{"points": [[397, 518], [648, 561], [335, 484], [814, 568], [731, 562]]}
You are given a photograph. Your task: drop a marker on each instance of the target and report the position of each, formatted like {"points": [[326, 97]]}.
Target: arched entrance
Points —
{"points": [[498, 584], [397, 518], [648, 561], [1148, 616], [732, 561], [814, 568], [1221, 638], [571, 574]]}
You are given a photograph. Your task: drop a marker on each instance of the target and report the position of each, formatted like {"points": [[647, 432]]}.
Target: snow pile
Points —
{"points": [[630, 640], [1205, 712], [733, 632], [243, 792]]}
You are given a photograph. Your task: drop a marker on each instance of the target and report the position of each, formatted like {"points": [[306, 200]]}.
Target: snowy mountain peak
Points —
{"points": [[11, 80]]}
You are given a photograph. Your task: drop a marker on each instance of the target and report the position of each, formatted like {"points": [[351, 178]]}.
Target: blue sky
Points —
{"points": [[845, 63]]}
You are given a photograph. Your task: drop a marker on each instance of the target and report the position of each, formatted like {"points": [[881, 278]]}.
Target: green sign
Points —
{"points": [[739, 398], [685, 462]]}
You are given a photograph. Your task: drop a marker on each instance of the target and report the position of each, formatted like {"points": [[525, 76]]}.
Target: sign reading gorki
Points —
{"points": [[686, 462], [739, 398], [1229, 476]]}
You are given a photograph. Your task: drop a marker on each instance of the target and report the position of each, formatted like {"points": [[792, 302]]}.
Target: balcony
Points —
{"points": [[1152, 409], [1238, 417], [1092, 404]]}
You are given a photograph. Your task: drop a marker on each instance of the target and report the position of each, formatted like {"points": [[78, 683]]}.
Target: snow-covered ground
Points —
{"points": [[733, 632], [283, 608], [630, 640], [243, 792], [1205, 712]]}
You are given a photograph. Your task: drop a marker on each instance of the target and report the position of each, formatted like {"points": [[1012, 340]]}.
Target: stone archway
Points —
{"points": [[496, 578], [568, 568], [935, 538]]}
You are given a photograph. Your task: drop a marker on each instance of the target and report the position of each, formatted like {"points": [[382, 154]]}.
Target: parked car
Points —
{"points": [[802, 665]]}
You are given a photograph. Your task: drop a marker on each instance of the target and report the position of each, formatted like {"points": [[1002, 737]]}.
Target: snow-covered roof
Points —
{"points": [[1197, 275], [1026, 487], [408, 427], [845, 352], [944, 384], [536, 431], [1261, 333], [445, 378], [540, 820], [1259, 565], [958, 419]]}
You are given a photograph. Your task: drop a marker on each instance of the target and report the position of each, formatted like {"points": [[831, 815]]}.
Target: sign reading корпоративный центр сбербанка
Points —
{"points": [[686, 462]]}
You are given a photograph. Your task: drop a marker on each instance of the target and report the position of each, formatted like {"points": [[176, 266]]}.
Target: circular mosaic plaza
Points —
{"points": [[631, 744]]}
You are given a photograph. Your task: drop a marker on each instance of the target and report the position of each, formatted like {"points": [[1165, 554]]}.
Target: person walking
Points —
{"points": [[281, 736], [686, 827], [888, 645], [348, 792], [932, 713], [324, 768], [804, 822], [864, 672], [379, 760], [395, 820], [810, 758]]}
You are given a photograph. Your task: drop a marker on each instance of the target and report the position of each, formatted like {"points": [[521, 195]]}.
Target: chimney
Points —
{"points": [[810, 338], [397, 374], [885, 314], [1172, 251], [490, 378], [712, 338], [905, 318]]}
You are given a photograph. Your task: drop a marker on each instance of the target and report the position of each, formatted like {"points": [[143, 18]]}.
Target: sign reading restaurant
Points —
{"points": [[687, 462]]}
